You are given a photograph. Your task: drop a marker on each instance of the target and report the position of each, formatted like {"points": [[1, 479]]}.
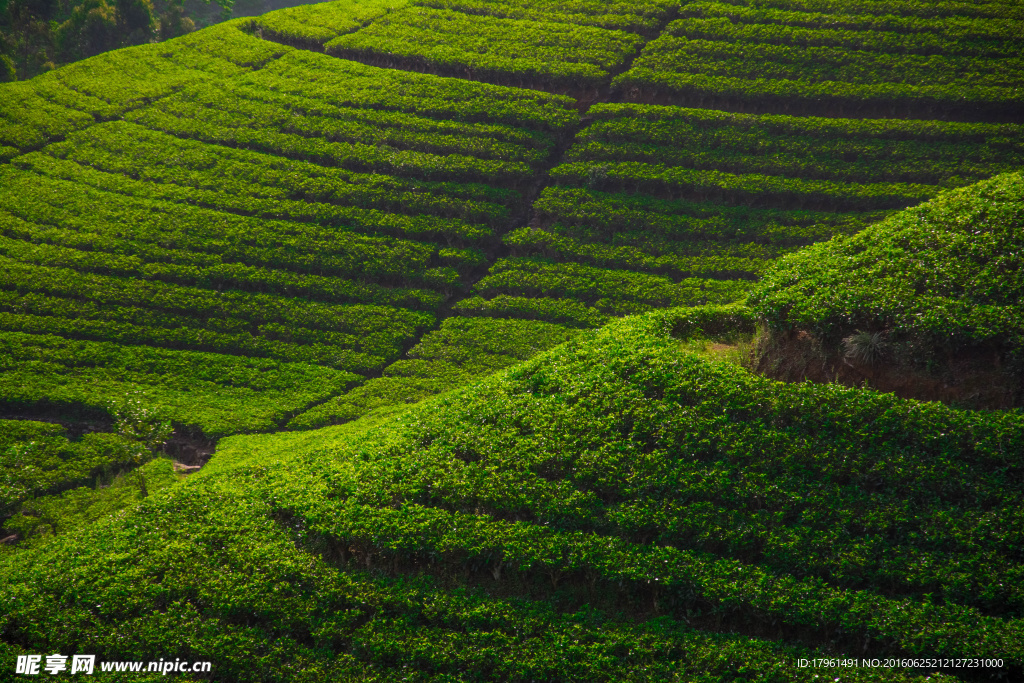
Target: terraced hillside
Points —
{"points": [[614, 510], [307, 219], [926, 303], [323, 215]]}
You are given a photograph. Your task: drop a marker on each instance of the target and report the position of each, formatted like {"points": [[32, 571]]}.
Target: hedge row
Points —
{"points": [[847, 150], [39, 210], [338, 624], [567, 481], [717, 25], [108, 308], [310, 26], [149, 262], [333, 141], [567, 312], [995, 79], [207, 304], [774, 66], [59, 102], [941, 277], [164, 159], [958, 24], [710, 259], [462, 350], [985, 9], [250, 245], [616, 466], [627, 16], [320, 348], [638, 218], [308, 76], [613, 292], [648, 187], [544, 53], [683, 581], [370, 221], [44, 517], [219, 394], [743, 188], [38, 457]]}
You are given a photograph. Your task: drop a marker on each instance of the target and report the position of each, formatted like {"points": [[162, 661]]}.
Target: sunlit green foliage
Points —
{"points": [[43, 517], [314, 212], [537, 43], [253, 236], [60, 101], [216, 393], [464, 349], [464, 536], [940, 277], [919, 60], [39, 458], [313, 25]]}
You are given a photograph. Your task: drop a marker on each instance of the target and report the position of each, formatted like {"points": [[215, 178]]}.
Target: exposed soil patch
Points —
{"points": [[975, 380], [189, 451]]}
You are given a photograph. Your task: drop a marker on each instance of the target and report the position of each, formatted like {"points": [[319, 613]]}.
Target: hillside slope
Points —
{"points": [[329, 234], [613, 510], [319, 217], [926, 302]]}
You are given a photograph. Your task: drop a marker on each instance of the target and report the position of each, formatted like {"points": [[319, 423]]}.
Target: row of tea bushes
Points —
{"points": [[868, 59], [538, 44], [464, 349], [318, 245], [486, 534], [59, 102]]}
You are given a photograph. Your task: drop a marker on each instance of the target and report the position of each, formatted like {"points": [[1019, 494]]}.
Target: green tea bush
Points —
{"points": [[38, 458], [837, 60], [50, 106], [845, 150], [205, 393], [310, 212], [540, 50], [938, 278], [628, 217], [311, 26], [463, 350], [613, 292], [613, 509], [43, 517]]}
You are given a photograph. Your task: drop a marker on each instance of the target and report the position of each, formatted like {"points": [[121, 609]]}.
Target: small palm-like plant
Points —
{"points": [[864, 347]]}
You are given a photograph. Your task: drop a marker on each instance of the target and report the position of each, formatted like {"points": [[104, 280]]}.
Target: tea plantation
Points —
{"points": [[460, 312]]}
